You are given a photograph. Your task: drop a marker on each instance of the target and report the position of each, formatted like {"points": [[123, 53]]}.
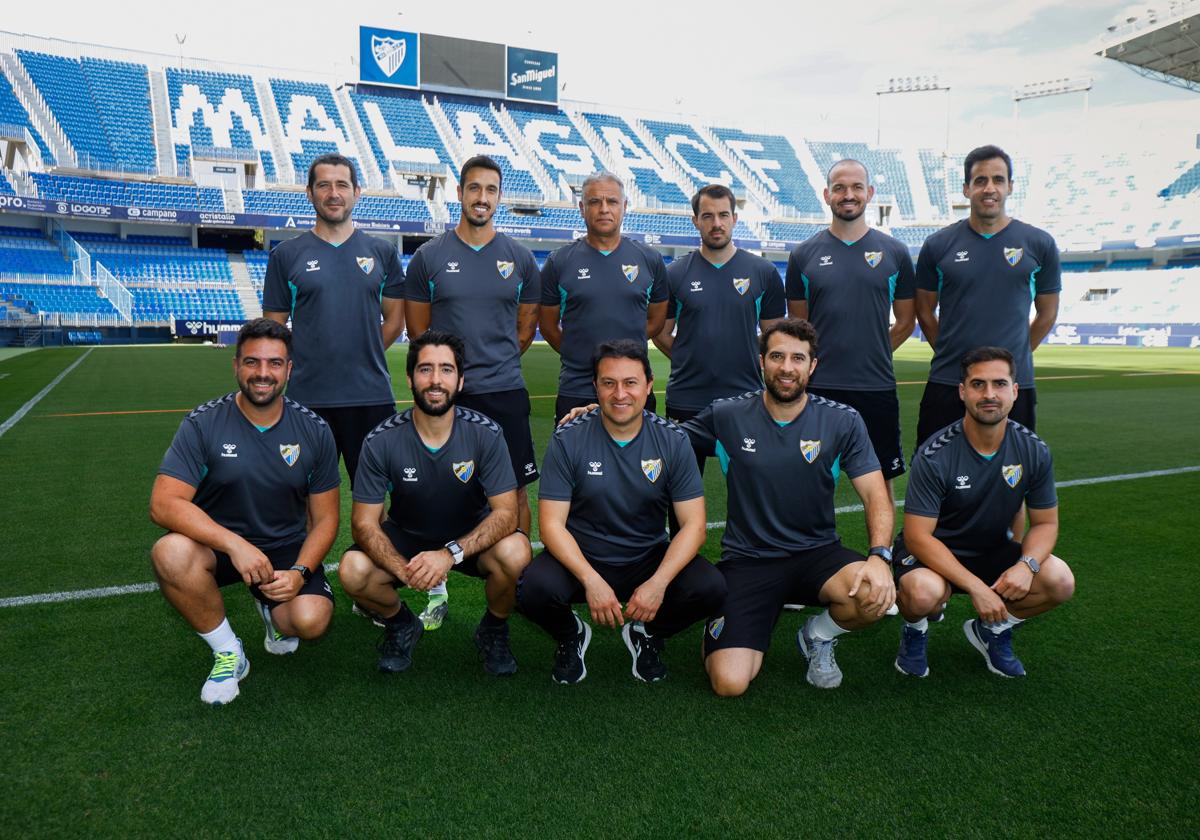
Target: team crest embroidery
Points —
{"points": [[630, 272], [290, 452], [505, 268], [716, 626], [367, 264], [388, 53], [463, 470], [652, 469], [873, 258], [810, 449], [1012, 256], [741, 284], [1012, 474]]}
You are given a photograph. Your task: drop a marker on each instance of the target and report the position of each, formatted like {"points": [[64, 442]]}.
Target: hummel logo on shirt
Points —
{"points": [[452, 268], [748, 445], [963, 482], [696, 287], [594, 468], [410, 474], [230, 450], [314, 265], [584, 273], [826, 260], [961, 256]]}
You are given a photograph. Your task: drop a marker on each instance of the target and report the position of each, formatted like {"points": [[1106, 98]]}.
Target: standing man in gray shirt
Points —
{"points": [[601, 287], [337, 285], [975, 281]]}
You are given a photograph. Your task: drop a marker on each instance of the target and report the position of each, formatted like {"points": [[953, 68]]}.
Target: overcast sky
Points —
{"points": [[801, 67]]}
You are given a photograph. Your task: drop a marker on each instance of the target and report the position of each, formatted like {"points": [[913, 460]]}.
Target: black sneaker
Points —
{"points": [[497, 657], [400, 636], [568, 659], [646, 651]]}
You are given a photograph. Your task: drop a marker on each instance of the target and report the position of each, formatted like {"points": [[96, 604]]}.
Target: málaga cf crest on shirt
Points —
{"points": [[290, 452], [652, 469], [505, 268], [810, 449], [463, 470], [1012, 256], [873, 257], [367, 264], [741, 284], [630, 272], [1012, 474]]}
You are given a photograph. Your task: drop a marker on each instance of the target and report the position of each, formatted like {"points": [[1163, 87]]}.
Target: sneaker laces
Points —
{"points": [[224, 667], [823, 654], [395, 639]]}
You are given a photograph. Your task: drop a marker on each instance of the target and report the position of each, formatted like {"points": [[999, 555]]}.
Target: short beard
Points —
{"points": [[255, 401], [432, 410], [854, 218], [779, 398]]}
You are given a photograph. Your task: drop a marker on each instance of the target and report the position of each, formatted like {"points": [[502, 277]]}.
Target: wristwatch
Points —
{"points": [[881, 551], [1030, 561], [455, 551], [304, 571]]}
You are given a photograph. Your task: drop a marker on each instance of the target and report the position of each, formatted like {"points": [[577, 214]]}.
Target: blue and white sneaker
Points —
{"points": [[274, 641], [995, 647], [229, 668], [911, 657], [823, 670]]}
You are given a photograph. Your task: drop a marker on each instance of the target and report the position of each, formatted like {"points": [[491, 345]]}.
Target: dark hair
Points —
{"points": [[866, 172], [479, 162], [981, 154], [986, 354], [795, 327], [332, 159], [264, 328], [434, 338], [622, 348], [715, 192]]}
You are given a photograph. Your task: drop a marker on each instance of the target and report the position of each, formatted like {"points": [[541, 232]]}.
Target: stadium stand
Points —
{"points": [[913, 236], [218, 112], [58, 298], [1186, 183], [556, 141], [630, 156], [128, 193], [312, 124], [400, 133], [792, 231], [478, 133], [26, 253], [773, 161], [885, 167], [933, 169], [14, 114], [690, 151]]}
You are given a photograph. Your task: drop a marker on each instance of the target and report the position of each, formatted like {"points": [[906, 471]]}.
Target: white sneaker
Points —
{"points": [[823, 670], [229, 668], [274, 641]]}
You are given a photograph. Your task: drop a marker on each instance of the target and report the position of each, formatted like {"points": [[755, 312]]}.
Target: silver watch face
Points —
{"points": [[1033, 564]]}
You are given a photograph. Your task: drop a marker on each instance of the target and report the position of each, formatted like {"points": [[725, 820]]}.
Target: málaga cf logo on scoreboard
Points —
{"points": [[389, 53]]}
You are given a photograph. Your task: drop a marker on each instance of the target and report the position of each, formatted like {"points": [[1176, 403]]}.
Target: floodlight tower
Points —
{"points": [[909, 84], [1051, 87]]}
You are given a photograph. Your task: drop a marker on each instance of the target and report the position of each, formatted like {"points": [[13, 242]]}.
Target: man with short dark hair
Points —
{"points": [[337, 285], [782, 451], [975, 281], [248, 492], [601, 287], [969, 480], [453, 506], [845, 280], [607, 480], [720, 296]]}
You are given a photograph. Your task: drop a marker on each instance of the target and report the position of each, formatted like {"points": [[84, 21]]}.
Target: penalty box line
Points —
{"points": [[134, 588]]}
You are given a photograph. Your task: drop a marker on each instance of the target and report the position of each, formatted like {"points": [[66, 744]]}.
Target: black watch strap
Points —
{"points": [[304, 571], [881, 551]]}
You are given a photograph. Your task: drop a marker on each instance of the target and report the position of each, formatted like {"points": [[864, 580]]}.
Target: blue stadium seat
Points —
{"points": [[406, 135], [628, 150], [13, 113], [693, 154], [479, 133], [773, 161], [885, 166], [306, 108], [556, 141]]}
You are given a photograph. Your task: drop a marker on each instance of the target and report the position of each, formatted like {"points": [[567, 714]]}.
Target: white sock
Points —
{"points": [[824, 628], [921, 626], [1008, 623], [440, 589], [222, 639]]}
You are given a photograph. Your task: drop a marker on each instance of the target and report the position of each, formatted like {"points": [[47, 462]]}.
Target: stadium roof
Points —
{"points": [[1164, 47]]}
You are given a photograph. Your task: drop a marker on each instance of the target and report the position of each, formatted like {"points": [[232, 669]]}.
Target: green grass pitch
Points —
{"points": [[103, 733]]}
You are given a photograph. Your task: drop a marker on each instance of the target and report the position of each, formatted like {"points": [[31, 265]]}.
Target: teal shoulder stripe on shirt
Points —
{"points": [[292, 288], [678, 309], [758, 307], [892, 287], [430, 282], [941, 278], [723, 458], [836, 469], [804, 279], [1033, 282], [562, 305]]}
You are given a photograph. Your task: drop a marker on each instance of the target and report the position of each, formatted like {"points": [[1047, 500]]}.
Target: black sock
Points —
{"points": [[490, 620], [404, 616]]}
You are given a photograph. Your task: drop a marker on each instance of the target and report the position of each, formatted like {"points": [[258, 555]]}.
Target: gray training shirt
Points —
{"points": [[850, 288], [599, 298], [333, 296], [436, 496], [619, 494], [781, 479], [975, 498], [255, 483], [474, 295], [716, 312], [985, 285]]}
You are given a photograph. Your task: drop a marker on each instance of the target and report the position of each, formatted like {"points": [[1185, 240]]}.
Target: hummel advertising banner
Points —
{"points": [[389, 57], [532, 75]]}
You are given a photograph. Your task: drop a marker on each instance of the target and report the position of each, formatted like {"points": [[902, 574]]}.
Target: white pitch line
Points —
{"points": [[133, 588], [23, 410]]}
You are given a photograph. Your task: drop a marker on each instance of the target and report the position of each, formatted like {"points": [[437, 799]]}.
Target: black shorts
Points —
{"points": [[987, 566], [758, 589], [281, 558], [940, 406], [410, 548], [350, 424], [510, 410], [880, 412], [563, 404]]}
